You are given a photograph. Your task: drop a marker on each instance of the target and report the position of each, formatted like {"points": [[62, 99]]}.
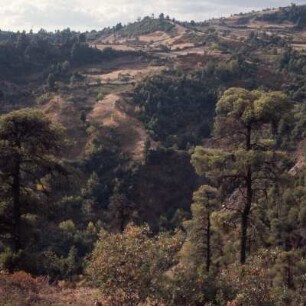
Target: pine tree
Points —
{"points": [[197, 249], [29, 147], [248, 163]]}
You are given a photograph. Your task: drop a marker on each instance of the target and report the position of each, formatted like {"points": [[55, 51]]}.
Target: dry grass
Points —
{"points": [[299, 47], [82, 296], [131, 73], [22, 289], [113, 111], [154, 37], [266, 25], [104, 112], [61, 111], [182, 45]]}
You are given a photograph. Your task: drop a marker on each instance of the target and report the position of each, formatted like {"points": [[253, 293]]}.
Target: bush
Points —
{"points": [[8, 259], [21, 289], [129, 267]]}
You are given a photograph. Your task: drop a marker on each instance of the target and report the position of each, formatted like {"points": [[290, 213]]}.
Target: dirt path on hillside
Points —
{"points": [[177, 41], [154, 37], [114, 111]]}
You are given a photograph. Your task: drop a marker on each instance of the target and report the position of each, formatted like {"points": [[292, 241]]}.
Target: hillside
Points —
{"points": [[196, 129]]}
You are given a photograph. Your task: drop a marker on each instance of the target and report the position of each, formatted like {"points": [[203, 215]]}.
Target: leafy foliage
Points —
{"points": [[129, 267]]}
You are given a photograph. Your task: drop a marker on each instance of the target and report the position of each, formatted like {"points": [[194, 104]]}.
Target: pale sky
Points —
{"points": [[96, 14]]}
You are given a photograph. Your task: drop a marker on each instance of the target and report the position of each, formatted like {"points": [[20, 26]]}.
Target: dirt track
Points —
{"points": [[113, 111]]}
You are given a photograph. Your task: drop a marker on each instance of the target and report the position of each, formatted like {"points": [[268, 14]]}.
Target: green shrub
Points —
{"points": [[129, 267]]}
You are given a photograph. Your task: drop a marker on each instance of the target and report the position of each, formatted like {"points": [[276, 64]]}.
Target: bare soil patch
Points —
{"points": [[125, 74]]}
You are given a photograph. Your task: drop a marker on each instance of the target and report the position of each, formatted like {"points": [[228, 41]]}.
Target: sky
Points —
{"points": [[83, 15]]}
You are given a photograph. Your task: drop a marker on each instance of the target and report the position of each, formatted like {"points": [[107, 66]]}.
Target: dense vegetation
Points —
{"points": [[205, 204], [177, 110], [294, 13], [46, 53], [143, 26], [147, 25]]}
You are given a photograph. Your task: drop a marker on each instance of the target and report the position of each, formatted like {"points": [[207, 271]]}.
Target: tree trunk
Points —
{"points": [[208, 254], [247, 205], [16, 208], [245, 217], [244, 237], [288, 273]]}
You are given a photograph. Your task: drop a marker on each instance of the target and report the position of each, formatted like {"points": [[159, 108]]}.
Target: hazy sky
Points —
{"points": [[97, 14]]}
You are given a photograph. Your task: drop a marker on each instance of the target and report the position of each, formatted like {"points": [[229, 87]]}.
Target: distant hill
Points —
{"points": [[147, 25], [295, 14]]}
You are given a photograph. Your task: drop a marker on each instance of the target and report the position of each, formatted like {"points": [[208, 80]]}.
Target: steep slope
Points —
{"points": [[115, 112]]}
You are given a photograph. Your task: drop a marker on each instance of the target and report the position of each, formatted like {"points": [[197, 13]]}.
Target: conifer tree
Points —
{"points": [[248, 163], [29, 147], [197, 248]]}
